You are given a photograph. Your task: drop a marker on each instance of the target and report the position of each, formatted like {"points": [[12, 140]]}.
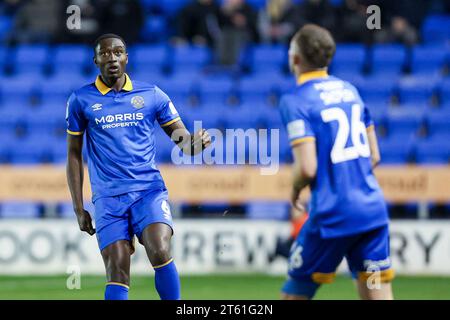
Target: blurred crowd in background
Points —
{"points": [[225, 26]]}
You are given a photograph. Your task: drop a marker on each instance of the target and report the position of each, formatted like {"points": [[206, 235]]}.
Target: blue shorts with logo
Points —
{"points": [[123, 216], [313, 260]]}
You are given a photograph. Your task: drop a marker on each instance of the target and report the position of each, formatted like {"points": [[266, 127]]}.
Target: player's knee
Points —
{"points": [[160, 251], [117, 272]]}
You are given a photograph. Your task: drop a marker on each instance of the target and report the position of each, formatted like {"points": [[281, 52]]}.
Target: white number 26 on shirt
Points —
{"points": [[354, 128]]}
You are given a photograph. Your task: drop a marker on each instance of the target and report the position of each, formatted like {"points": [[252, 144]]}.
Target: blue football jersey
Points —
{"points": [[346, 198], [119, 129]]}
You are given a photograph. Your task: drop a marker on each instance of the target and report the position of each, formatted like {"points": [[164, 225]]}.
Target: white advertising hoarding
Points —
{"points": [[204, 246]]}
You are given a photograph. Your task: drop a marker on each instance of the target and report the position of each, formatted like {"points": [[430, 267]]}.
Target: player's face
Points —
{"points": [[111, 58]]}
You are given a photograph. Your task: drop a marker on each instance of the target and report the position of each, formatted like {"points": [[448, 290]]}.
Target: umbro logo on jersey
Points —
{"points": [[97, 107]]}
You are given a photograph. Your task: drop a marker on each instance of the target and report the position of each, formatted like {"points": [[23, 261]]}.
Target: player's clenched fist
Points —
{"points": [[200, 140], [85, 222]]}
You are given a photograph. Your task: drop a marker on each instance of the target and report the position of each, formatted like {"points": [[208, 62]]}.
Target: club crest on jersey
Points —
{"points": [[137, 102]]}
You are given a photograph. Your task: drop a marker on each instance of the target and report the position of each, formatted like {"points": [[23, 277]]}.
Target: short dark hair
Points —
{"points": [[316, 45], [108, 36]]}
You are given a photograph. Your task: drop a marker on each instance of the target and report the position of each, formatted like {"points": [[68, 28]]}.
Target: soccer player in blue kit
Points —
{"points": [[117, 116], [335, 150]]}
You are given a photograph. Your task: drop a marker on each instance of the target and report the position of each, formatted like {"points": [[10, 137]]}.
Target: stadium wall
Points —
{"points": [[202, 247], [400, 184]]}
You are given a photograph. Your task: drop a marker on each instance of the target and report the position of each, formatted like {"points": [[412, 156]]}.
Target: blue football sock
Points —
{"points": [[116, 291], [167, 282]]}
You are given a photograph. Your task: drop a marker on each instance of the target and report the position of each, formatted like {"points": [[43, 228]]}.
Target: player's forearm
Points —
{"points": [[75, 173]]}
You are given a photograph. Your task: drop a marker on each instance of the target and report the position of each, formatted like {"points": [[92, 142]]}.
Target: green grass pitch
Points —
{"points": [[213, 287]]}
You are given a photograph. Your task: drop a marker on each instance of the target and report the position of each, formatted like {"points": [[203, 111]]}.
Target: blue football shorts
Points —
{"points": [[123, 216], [313, 260]]}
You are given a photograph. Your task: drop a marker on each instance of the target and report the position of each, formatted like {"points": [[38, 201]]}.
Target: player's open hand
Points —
{"points": [[201, 140], [85, 222]]}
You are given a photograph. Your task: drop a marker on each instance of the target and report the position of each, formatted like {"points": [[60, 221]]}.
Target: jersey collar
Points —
{"points": [[316, 74], [104, 89]]}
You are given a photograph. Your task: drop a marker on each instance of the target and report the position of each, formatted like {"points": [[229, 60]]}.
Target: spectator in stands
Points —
{"points": [[123, 17], [239, 27], [10, 7], [320, 12], [352, 17], [401, 21], [36, 21], [91, 13], [198, 23], [279, 20]]}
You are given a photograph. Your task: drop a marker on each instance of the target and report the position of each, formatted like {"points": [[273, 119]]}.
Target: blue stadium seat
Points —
{"points": [[434, 150], [286, 84], [148, 58], [378, 111], [388, 60], [257, 4], [190, 58], [19, 209], [240, 117], [268, 58], [436, 29], [7, 137], [33, 149], [58, 88], [11, 115], [18, 90], [30, 58], [256, 88], [376, 89], [177, 86], [66, 209], [348, 59], [267, 210], [428, 59], [49, 114], [155, 78], [444, 91], [210, 115], [58, 150], [396, 149], [6, 26], [214, 91], [171, 7], [4, 57], [438, 121], [269, 116], [416, 90], [404, 121], [154, 29], [70, 59]]}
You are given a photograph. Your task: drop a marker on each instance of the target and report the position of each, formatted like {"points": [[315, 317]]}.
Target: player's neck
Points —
{"points": [[115, 83]]}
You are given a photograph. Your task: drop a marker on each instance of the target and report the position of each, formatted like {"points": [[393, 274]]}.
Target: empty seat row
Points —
{"points": [[204, 89], [386, 60]]}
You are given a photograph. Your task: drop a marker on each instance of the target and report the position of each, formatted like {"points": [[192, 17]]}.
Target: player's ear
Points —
{"points": [[126, 62], [297, 59]]}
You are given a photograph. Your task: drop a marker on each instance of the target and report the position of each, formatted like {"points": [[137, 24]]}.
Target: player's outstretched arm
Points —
{"points": [[304, 169], [74, 172], [191, 144], [375, 156]]}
